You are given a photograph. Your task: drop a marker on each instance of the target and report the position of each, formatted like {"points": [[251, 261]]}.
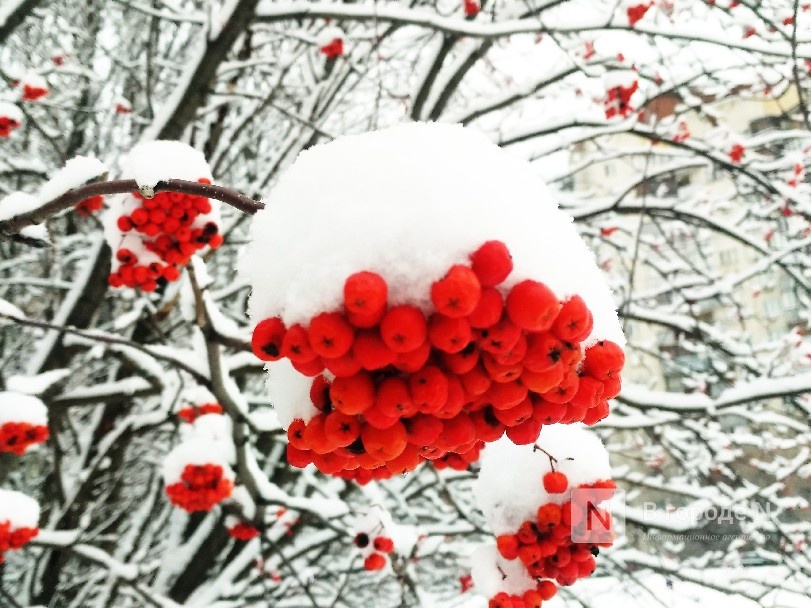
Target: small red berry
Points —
{"points": [[353, 394], [458, 293], [365, 293], [267, 338], [492, 263], [403, 328], [331, 335], [532, 306], [384, 544], [555, 482], [375, 561]]}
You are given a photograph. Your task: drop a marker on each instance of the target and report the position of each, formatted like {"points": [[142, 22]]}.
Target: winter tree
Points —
{"points": [[185, 200]]}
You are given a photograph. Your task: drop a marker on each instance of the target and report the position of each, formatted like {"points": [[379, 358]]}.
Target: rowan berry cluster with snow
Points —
{"points": [[620, 87], [11, 117], [197, 402], [396, 375], [155, 236], [537, 542], [23, 422], [19, 520]]}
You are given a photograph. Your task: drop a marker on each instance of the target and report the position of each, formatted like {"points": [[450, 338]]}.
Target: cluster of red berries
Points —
{"points": [[165, 222], [32, 92], [545, 547], [7, 125], [409, 389], [17, 437], [736, 153], [201, 487], [13, 539], [618, 100], [190, 413], [636, 12], [242, 531], [471, 7], [332, 49], [381, 546], [90, 205]]}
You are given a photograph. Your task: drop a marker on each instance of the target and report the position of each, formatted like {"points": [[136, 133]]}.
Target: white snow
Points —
{"points": [[409, 202], [198, 395], [8, 309], [20, 510], [18, 407], [289, 392], [37, 384], [77, 171], [510, 489], [10, 110], [328, 34], [17, 203], [154, 161], [32, 79], [195, 452], [492, 573]]}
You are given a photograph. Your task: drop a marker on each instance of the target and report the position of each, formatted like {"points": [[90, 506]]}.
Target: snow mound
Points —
{"points": [[492, 573], [155, 161], [11, 111], [18, 407], [509, 488], [409, 202], [196, 451], [77, 171], [289, 392], [18, 509]]}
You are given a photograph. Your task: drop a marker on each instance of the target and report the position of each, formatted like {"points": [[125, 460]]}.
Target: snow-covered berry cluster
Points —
{"points": [[154, 237], [620, 86], [23, 422], [19, 520], [11, 117], [427, 313], [197, 472], [330, 42], [375, 537], [197, 477], [636, 10], [537, 542], [34, 87], [408, 388], [375, 550]]}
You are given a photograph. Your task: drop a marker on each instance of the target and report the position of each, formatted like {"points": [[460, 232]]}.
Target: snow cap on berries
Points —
{"points": [[154, 161], [328, 34], [193, 452], [487, 567], [509, 488], [18, 407], [408, 203], [11, 111], [20, 510]]}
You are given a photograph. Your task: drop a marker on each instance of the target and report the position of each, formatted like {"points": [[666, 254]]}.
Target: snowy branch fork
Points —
{"points": [[11, 227]]}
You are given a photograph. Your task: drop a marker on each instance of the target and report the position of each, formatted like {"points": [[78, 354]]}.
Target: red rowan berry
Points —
{"points": [[488, 311], [375, 561], [413, 360], [429, 389], [341, 429], [564, 392], [370, 350], [548, 515], [525, 433], [331, 335], [353, 394], [457, 294], [488, 427], [604, 359], [507, 545], [403, 328], [394, 398], [266, 341], [295, 434], [365, 294], [296, 345], [555, 482], [449, 334], [500, 338], [423, 429], [532, 306], [574, 321], [343, 366], [492, 263], [384, 544]]}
